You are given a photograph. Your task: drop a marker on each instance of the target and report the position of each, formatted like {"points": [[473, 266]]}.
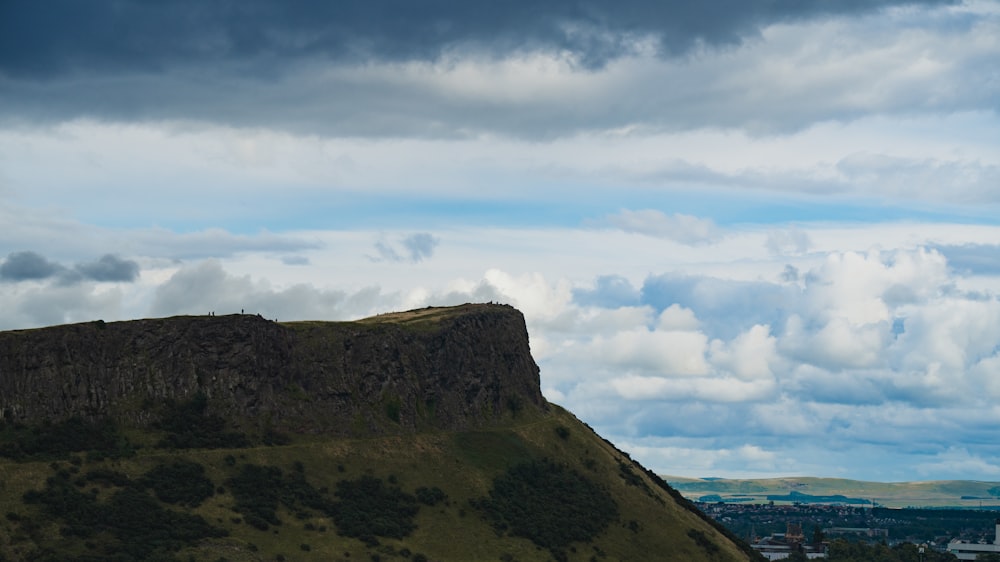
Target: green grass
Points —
{"points": [[463, 465]]}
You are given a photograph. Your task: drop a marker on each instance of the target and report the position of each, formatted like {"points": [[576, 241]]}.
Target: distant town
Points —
{"points": [[776, 530]]}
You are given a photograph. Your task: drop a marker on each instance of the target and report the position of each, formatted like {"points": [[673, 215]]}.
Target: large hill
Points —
{"points": [[420, 435]]}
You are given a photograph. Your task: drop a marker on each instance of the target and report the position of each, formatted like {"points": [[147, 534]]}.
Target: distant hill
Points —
{"points": [[411, 436], [940, 493]]}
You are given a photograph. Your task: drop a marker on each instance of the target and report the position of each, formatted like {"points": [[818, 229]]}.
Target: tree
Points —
{"points": [[818, 536]]}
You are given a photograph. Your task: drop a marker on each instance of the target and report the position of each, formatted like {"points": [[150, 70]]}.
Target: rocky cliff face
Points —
{"points": [[448, 368]]}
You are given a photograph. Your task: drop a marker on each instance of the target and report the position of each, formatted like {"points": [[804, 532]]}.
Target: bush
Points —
{"points": [[392, 409], [549, 504], [256, 490], [107, 477], [366, 507], [702, 540], [57, 440], [430, 496], [141, 529], [189, 426], [259, 489], [181, 482]]}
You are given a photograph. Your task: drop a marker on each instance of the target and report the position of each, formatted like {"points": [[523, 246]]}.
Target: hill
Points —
{"points": [[411, 436], [937, 493]]}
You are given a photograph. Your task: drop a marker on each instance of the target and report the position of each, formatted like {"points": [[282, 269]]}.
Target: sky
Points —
{"points": [[749, 239]]}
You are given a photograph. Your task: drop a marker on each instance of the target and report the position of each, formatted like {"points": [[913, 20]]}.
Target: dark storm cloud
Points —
{"points": [[42, 39], [28, 266], [109, 268], [31, 266], [329, 68]]}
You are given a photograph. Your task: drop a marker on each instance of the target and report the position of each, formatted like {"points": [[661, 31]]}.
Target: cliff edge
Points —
{"points": [[436, 368]]}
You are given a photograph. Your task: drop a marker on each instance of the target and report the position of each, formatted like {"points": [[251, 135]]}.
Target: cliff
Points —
{"points": [[448, 368], [239, 438]]}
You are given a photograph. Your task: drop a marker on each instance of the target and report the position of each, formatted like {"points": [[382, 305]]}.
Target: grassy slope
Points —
{"points": [[461, 464], [939, 493]]}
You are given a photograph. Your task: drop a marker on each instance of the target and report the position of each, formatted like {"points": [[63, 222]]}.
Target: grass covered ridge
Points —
{"points": [[441, 496]]}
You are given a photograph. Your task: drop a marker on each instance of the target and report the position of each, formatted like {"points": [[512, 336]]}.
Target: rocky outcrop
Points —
{"points": [[446, 368]]}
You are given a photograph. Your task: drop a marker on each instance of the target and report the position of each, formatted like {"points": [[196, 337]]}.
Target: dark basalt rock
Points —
{"points": [[436, 368]]}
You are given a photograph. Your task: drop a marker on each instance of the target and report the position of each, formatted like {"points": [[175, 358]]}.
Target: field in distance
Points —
{"points": [[937, 493]]}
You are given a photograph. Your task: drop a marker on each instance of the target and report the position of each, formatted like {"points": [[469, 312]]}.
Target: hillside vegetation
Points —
{"points": [[418, 473], [542, 488]]}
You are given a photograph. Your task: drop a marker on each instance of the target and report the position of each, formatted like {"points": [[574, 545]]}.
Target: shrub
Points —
{"points": [[549, 504], [702, 540], [392, 409], [259, 489], [139, 527], [189, 426], [107, 477], [256, 490], [181, 482], [57, 440], [430, 496], [367, 507]]}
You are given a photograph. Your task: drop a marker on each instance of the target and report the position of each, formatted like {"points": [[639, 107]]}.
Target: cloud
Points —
{"points": [[981, 259], [295, 260], [865, 348], [66, 38], [28, 266], [953, 333], [749, 356], [684, 229], [691, 457], [837, 344], [956, 180], [531, 71], [790, 274], [414, 248], [68, 238], [214, 243], [109, 268], [633, 387], [725, 307], [676, 317], [789, 242], [31, 266], [32, 305], [958, 460], [420, 246], [672, 353], [206, 287], [609, 291]]}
